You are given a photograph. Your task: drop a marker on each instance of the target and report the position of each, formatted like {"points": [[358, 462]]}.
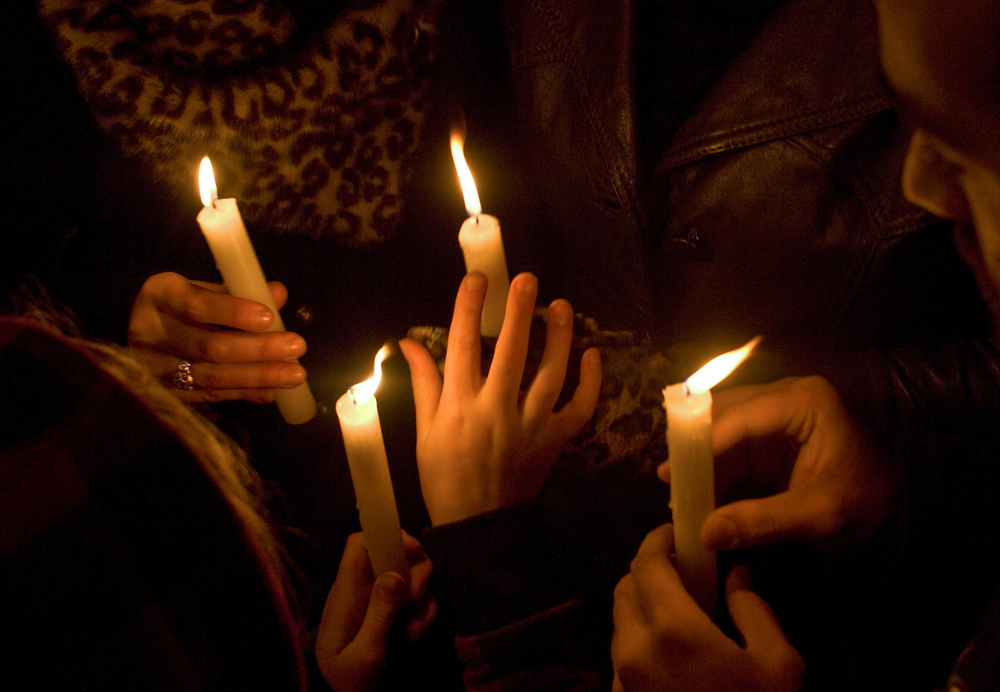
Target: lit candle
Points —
{"points": [[359, 422], [223, 228], [692, 475], [482, 246]]}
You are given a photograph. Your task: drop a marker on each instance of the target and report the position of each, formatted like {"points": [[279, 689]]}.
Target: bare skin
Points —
{"points": [[481, 442], [361, 611], [232, 357]]}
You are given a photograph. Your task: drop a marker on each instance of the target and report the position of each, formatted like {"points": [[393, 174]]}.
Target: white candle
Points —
{"points": [[482, 246], [692, 473], [223, 228], [359, 423], [692, 488]]}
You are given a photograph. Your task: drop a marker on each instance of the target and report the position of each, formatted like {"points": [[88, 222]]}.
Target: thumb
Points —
{"points": [[787, 516], [751, 614], [763, 637], [388, 595]]}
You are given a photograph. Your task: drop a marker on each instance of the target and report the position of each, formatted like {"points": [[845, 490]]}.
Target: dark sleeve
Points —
{"points": [[935, 410], [531, 586]]}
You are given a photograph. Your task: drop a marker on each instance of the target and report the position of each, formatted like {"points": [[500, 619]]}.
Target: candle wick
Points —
{"points": [[354, 399], [687, 390], [476, 217]]}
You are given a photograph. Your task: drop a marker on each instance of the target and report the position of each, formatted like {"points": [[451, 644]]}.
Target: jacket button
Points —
{"points": [[691, 240], [303, 317]]}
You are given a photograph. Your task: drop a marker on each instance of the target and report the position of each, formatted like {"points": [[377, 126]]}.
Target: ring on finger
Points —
{"points": [[183, 379]]}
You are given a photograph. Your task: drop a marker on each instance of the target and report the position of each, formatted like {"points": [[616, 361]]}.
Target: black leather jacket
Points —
{"points": [[777, 205], [777, 209]]}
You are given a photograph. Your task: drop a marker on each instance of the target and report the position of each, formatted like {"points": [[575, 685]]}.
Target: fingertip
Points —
{"points": [[525, 283], [294, 346], [474, 282], [422, 620], [560, 312], [720, 532], [411, 543], [663, 471], [739, 579], [390, 587], [262, 318], [278, 292], [404, 348], [659, 541], [293, 376]]}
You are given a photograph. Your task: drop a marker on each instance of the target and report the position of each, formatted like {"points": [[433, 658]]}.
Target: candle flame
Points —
{"points": [[363, 391], [719, 368], [472, 204], [206, 183]]}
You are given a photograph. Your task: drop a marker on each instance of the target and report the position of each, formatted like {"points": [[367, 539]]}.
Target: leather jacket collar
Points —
{"points": [[593, 39], [774, 83]]}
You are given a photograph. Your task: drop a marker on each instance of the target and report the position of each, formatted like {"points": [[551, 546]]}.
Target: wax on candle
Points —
{"points": [[692, 473], [692, 489], [357, 411], [227, 238], [482, 246]]}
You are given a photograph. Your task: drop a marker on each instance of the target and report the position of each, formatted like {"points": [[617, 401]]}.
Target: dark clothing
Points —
{"points": [[123, 561], [976, 669], [774, 209]]}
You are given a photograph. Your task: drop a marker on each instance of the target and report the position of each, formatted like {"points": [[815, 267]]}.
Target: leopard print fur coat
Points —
{"points": [[310, 128]]}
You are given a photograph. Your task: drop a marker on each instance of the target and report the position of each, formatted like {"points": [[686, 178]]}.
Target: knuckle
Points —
{"points": [[766, 524], [192, 305], [218, 348], [209, 378], [212, 396], [159, 282], [620, 589]]}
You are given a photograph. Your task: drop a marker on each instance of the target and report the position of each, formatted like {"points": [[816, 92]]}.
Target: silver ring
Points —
{"points": [[182, 376]]}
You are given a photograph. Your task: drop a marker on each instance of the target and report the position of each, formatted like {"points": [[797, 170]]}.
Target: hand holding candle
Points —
{"points": [[692, 476], [482, 246], [237, 262], [359, 423], [832, 484]]}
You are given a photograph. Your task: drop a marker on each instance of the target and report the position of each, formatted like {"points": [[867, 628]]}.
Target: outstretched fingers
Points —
{"points": [[792, 515], [504, 382], [462, 375], [765, 639], [571, 418], [198, 302], [426, 380], [547, 385]]}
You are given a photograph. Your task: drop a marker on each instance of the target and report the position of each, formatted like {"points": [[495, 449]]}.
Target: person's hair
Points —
{"points": [[219, 456]]}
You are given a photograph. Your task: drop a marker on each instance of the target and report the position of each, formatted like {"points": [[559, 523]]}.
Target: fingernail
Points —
{"points": [[264, 318], [295, 346], [475, 282], [293, 377], [560, 312], [663, 471], [404, 348]]}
